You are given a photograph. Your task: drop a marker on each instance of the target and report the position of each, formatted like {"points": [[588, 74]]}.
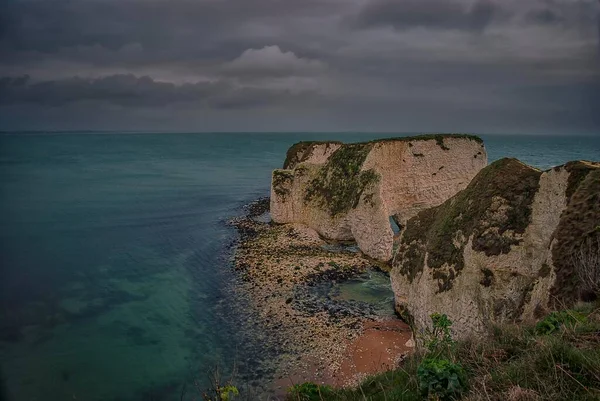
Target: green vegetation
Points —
{"points": [[440, 376], [220, 390], [310, 391], [299, 152], [440, 379], [439, 340], [281, 180], [227, 393], [513, 363], [438, 138], [496, 208], [556, 319], [493, 208], [577, 173], [340, 183]]}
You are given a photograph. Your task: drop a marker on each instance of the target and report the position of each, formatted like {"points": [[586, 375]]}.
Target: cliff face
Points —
{"points": [[310, 152], [500, 250], [349, 191]]}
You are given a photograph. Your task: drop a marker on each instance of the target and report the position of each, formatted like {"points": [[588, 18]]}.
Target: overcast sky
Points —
{"points": [[518, 66]]}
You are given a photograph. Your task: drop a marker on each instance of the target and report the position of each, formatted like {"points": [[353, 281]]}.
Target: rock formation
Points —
{"points": [[310, 152], [501, 249], [350, 191]]}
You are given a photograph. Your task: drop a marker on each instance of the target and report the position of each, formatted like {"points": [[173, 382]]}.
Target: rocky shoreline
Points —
{"points": [[318, 338], [481, 244]]}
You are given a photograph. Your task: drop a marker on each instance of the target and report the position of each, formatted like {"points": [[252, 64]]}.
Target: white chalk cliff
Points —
{"points": [[350, 191], [500, 250]]}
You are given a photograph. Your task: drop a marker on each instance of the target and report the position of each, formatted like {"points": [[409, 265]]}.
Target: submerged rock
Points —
{"points": [[501, 249], [350, 191]]}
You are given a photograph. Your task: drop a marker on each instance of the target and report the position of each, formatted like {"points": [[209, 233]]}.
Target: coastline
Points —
{"points": [[319, 339]]}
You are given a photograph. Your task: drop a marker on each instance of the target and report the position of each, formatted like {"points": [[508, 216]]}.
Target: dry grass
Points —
{"points": [[586, 261]]}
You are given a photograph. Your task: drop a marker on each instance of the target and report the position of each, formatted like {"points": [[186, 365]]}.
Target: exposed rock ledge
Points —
{"points": [[500, 250], [349, 191]]}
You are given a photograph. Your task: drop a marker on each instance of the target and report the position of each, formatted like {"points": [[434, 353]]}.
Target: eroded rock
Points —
{"points": [[501, 249], [350, 191]]}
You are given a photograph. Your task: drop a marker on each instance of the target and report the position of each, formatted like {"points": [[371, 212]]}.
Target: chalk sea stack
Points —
{"points": [[502, 249], [349, 191]]}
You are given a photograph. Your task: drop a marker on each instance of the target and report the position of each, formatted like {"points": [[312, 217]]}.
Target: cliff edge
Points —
{"points": [[500, 250], [350, 191]]}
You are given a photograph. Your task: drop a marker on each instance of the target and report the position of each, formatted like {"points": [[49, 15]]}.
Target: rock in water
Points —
{"points": [[501, 249], [350, 191]]}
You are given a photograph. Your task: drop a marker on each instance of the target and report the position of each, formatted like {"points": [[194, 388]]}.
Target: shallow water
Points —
{"points": [[114, 255], [372, 287]]}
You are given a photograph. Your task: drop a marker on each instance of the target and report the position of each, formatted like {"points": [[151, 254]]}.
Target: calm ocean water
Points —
{"points": [[113, 253]]}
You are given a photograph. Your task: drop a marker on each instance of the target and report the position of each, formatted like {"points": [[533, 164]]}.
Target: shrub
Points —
{"points": [[228, 392], [441, 378], [555, 320], [439, 339], [438, 376]]}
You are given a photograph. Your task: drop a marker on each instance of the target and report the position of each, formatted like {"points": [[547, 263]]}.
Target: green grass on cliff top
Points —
{"points": [[299, 151], [422, 137]]}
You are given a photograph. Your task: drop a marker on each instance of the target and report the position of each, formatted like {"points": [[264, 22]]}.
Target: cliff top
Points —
{"points": [[301, 150], [438, 137]]}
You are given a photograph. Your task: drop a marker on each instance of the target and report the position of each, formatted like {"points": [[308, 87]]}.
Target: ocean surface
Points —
{"points": [[115, 254]]}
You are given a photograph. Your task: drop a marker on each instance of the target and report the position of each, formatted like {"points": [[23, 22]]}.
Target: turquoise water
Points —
{"points": [[372, 287], [114, 254]]}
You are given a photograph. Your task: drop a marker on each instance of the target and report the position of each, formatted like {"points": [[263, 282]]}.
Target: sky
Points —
{"points": [[485, 66]]}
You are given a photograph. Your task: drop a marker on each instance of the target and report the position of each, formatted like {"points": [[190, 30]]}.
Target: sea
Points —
{"points": [[115, 254]]}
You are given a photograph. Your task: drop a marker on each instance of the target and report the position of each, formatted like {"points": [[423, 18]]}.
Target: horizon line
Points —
{"points": [[226, 132]]}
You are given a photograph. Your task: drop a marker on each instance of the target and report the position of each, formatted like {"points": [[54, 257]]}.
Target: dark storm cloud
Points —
{"points": [[545, 16], [438, 14], [118, 89], [567, 13], [474, 15], [176, 28], [345, 64], [132, 91], [249, 98]]}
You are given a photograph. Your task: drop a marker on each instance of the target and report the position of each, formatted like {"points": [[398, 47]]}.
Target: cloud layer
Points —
{"points": [[393, 65]]}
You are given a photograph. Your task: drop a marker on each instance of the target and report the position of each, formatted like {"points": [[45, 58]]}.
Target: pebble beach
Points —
{"points": [[322, 340]]}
